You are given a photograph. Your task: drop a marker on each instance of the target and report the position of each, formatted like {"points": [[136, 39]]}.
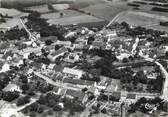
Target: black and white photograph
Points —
{"points": [[83, 58]]}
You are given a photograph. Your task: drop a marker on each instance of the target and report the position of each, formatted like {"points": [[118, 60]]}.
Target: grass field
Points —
{"points": [[74, 20], [147, 20], [105, 11], [67, 13], [11, 22], [134, 19], [85, 3], [70, 17]]}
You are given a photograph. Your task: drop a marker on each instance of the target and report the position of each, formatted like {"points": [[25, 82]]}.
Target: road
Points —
{"points": [[165, 75], [115, 18], [163, 70], [134, 47], [57, 84], [165, 86]]}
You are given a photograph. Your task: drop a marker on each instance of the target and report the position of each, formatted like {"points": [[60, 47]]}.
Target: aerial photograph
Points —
{"points": [[83, 58]]}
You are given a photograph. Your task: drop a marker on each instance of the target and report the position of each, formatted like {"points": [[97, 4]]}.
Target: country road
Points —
{"points": [[57, 84], [163, 71], [165, 86], [115, 18], [165, 74]]}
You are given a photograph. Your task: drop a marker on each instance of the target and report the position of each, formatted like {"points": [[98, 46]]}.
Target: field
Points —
{"points": [[85, 3], [12, 12], [147, 20], [106, 11], [74, 20], [134, 19], [14, 21], [70, 17]]}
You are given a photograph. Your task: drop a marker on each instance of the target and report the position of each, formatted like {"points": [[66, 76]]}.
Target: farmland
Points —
{"points": [[70, 17], [144, 19], [74, 20], [100, 10]]}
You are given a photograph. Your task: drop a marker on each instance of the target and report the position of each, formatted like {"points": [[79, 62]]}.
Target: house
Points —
{"points": [[4, 46], [57, 54], [5, 67], [52, 38], [70, 34], [56, 90], [129, 98], [72, 57], [93, 90], [116, 96], [30, 50], [12, 87], [99, 44], [51, 66], [78, 46], [73, 72], [75, 94], [63, 43], [78, 82]]}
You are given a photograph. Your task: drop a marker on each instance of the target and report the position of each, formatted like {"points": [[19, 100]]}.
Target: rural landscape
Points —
{"points": [[83, 58]]}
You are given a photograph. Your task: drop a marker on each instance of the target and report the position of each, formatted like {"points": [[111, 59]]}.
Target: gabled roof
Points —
{"points": [[131, 96], [4, 45], [116, 94], [78, 94], [58, 68], [52, 38], [72, 71], [60, 51], [78, 81]]}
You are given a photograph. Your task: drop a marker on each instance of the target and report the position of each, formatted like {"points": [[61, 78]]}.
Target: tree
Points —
{"points": [[156, 100], [61, 14], [25, 87], [34, 15], [32, 114], [50, 112], [90, 40], [57, 47], [125, 25], [42, 100], [125, 60], [142, 100], [51, 103], [10, 96], [48, 42], [40, 109], [23, 79], [166, 54], [165, 106], [23, 100], [57, 108], [104, 111], [132, 108], [84, 89], [34, 107]]}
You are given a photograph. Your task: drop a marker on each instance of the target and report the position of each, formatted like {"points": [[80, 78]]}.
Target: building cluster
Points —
{"points": [[61, 63]]}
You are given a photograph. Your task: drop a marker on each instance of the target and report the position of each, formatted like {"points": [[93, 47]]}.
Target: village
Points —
{"points": [[114, 70]]}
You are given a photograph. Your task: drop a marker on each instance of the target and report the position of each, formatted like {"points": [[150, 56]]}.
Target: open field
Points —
{"points": [[44, 8], [70, 17], [11, 12], [74, 20], [85, 3], [67, 13], [135, 19], [105, 11], [147, 20], [13, 21]]}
